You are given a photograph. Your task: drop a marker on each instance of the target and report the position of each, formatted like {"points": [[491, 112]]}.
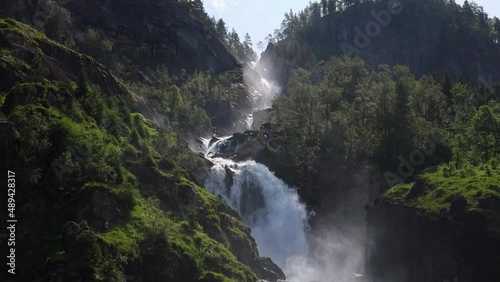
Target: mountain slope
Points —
{"points": [[156, 32], [99, 194]]}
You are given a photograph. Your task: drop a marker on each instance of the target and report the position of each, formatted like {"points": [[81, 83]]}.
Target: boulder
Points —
{"points": [[70, 233], [421, 186], [101, 208]]}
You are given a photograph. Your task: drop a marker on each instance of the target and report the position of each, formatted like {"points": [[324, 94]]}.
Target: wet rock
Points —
{"points": [[240, 146], [252, 200], [260, 118], [271, 271], [229, 179], [212, 141]]}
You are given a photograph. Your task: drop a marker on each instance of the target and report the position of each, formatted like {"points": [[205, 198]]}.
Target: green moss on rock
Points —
{"points": [[477, 187]]}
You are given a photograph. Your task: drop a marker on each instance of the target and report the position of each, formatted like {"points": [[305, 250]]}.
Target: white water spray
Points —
{"points": [[272, 210], [262, 92]]}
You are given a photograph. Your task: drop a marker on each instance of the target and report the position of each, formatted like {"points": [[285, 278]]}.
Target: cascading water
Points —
{"points": [[271, 209], [262, 94]]}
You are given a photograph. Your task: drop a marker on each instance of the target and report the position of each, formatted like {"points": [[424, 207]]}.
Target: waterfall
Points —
{"points": [[269, 90], [261, 92], [277, 218], [273, 211]]}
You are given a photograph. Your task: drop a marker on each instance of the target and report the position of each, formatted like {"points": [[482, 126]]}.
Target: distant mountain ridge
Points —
{"points": [[428, 36]]}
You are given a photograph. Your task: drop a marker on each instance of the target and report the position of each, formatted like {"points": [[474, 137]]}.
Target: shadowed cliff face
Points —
{"points": [[407, 245], [156, 32]]}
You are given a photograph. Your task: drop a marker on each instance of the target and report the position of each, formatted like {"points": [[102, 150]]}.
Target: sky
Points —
{"points": [[261, 17]]}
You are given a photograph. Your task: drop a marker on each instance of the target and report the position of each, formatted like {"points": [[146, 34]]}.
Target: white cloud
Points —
{"points": [[220, 5], [225, 6]]}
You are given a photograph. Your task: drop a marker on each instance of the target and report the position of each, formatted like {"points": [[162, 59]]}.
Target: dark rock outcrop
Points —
{"points": [[161, 263], [271, 270], [407, 245], [260, 118], [101, 208], [240, 146], [421, 185]]}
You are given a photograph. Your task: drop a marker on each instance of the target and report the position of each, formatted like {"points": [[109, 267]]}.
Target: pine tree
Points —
{"points": [[483, 129], [332, 6], [221, 30], [249, 52], [324, 6], [496, 27], [82, 88]]}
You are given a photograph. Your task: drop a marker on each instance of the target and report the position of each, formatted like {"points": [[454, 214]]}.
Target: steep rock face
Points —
{"points": [[406, 245], [156, 32]]}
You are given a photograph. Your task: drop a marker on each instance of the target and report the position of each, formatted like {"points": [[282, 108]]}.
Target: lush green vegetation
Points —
{"points": [[340, 114], [74, 139]]}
